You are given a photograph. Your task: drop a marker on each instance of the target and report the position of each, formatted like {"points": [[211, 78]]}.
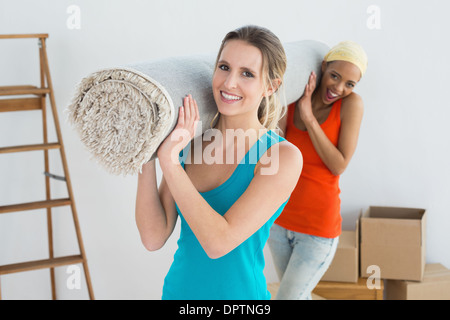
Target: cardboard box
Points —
{"points": [[434, 286], [345, 264], [393, 240]]}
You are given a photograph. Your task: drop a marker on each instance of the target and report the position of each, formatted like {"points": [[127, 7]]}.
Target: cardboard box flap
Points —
{"points": [[350, 238], [347, 239], [392, 226], [424, 229], [434, 267], [394, 213], [438, 277], [436, 272], [357, 230]]}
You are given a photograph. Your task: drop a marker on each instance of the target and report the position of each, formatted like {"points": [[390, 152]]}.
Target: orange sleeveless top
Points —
{"points": [[314, 206]]}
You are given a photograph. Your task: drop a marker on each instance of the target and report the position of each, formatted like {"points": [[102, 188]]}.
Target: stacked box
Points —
{"points": [[388, 243], [393, 240], [345, 264], [434, 286]]}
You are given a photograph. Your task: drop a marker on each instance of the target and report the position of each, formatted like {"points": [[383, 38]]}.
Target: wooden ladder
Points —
{"points": [[38, 102]]}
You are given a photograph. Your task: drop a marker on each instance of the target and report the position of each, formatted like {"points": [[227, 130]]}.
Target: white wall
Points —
{"points": [[401, 159]]}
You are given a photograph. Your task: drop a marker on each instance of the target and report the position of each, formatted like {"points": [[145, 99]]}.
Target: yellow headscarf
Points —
{"points": [[348, 51]]}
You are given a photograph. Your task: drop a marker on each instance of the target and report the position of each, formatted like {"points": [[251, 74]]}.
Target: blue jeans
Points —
{"points": [[300, 261]]}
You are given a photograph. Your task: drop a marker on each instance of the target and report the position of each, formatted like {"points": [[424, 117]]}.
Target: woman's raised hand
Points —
{"points": [[182, 134], [304, 104]]}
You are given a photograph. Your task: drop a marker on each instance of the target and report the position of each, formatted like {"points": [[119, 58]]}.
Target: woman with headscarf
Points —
{"points": [[324, 124]]}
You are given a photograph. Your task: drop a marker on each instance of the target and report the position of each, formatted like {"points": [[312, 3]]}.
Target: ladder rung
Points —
{"points": [[35, 205], [24, 104], [40, 264], [22, 90], [17, 98], [22, 36], [30, 147], [7, 88]]}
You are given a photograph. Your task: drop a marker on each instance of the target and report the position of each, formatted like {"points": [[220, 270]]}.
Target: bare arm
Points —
{"points": [[156, 215], [219, 234]]}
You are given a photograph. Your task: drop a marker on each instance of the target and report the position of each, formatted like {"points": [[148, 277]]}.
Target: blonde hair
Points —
{"points": [[271, 109]]}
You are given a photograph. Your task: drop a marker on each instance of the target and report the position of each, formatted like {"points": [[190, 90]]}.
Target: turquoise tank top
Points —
{"points": [[239, 274]]}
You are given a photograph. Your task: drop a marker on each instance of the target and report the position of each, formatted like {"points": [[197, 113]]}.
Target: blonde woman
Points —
{"points": [[226, 207], [325, 125]]}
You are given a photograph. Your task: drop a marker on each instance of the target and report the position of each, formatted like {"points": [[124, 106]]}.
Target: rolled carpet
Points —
{"points": [[123, 114]]}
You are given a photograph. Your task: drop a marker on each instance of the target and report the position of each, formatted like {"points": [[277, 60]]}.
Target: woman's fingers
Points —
{"points": [[182, 133], [312, 81], [197, 114], [191, 112], [311, 85], [187, 109], [181, 117]]}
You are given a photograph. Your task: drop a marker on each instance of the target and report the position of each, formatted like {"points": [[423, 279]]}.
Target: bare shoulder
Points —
{"points": [[353, 101], [283, 158], [289, 152], [352, 105]]}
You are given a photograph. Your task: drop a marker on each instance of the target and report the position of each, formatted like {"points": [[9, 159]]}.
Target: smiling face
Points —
{"points": [[237, 83], [339, 78]]}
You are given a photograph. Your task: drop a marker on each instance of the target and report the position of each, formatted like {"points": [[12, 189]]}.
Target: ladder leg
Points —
{"points": [[40, 104], [50, 249], [47, 169], [88, 280], [66, 171]]}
